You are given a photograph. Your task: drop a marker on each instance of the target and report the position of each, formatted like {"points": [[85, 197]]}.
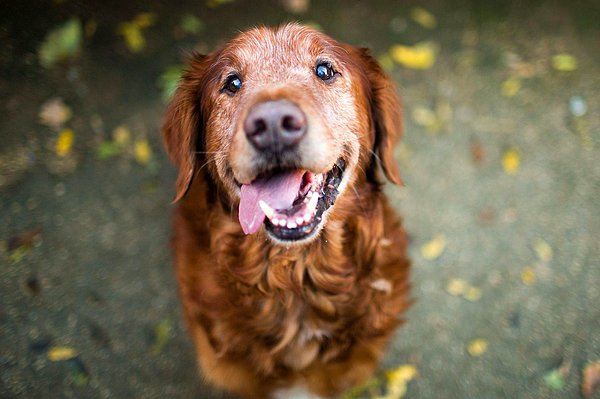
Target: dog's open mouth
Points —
{"points": [[290, 203]]}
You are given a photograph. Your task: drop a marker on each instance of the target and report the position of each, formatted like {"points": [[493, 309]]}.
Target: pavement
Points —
{"points": [[501, 163]]}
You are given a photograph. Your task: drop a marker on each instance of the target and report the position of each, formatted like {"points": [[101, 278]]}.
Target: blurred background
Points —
{"points": [[501, 160]]}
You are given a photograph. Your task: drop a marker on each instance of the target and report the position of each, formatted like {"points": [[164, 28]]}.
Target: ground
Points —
{"points": [[500, 162]]}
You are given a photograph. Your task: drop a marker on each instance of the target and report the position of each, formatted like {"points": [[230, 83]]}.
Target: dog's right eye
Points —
{"points": [[233, 84]]}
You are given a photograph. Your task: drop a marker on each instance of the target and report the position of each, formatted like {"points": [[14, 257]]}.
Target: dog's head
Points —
{"points": [[285, 120]]}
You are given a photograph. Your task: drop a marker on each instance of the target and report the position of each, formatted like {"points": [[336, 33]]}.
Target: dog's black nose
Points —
{"points": [[275, 125]]}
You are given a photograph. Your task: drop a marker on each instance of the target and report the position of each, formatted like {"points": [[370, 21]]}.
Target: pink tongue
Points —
{"points": [[279, 191]]}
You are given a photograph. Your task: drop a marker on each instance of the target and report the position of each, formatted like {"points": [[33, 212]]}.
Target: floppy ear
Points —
{"points": [[183, 124], [386, 111]]}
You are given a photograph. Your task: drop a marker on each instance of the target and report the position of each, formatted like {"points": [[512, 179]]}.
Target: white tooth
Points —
{"points": [[299, 221], [266, 208], [312, 204], [309, 194], [275, 221], [307, 217], [282, 222], [291, 225]]}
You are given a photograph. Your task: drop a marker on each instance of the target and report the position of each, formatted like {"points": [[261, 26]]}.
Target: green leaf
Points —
{"points": [[60, 43], [169, 81]]}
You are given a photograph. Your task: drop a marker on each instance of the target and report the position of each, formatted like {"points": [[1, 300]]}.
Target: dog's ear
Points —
{"points": [[183, 123], [386, 110]]}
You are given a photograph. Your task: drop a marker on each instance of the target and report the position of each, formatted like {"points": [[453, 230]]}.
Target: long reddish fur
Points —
{"points": [[246, 299]]}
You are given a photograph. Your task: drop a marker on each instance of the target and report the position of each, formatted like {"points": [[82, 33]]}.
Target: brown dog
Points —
{"points": [[291, 265]]}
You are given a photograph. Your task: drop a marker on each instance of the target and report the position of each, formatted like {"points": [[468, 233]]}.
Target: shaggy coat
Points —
{"points": [[268, 317]]}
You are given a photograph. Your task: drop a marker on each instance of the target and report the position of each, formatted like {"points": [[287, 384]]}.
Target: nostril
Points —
{"points": [[291, 123], [259, 127]]}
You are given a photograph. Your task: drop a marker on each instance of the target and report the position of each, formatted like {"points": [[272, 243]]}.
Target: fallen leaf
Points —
{"points": [[423, 17], [24, 239], [528, 275], [511, 160], [169, 80], [457, 287], [142, 151], [434, 248], [564, 62], [473, 294], [54, 113], [543, 250], [64, 143], [590, 379], [420, 56], [132, 31], [59, 353], [510, 87], [477, 347], [425, 117], [555, 379], [191, 24], [121, 135], [397, 380], [60, 43], [162, 333]]}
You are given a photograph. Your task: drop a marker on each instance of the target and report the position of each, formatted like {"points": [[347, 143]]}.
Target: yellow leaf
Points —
{"points": [[58, 353], [133, 37], [64, 143], [511, 161], [405, 372], [142, 151], [434, 248], [528, 275], [144, 20], [425, 117], [121, 135], [510, 87], [473, 294], [457, 287], [543, 250], [564, 62], [423, 17], [477, 347], [419, 56]]}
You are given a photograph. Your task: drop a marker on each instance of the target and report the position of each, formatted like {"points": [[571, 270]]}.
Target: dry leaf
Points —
{"points": [[423, 17], [590, 379], [564, 62], [397, 380], [543, 250], [420, 56], [64, 143], [457, 287], [434, 248], [473, 294], [510, 87], [132, 31], [59, 353], [528, 275], [511, 160], [54, 113], [142, 151], [477, 347]]}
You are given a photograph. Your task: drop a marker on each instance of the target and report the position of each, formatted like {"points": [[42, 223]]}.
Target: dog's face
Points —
{"points": [[286, 120]]}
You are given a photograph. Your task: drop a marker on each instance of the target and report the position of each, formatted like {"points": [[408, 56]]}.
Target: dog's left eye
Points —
{"points": [[325, 72], [233, 84]]}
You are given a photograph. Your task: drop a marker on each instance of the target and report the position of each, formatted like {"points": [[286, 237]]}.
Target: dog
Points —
{"points": [[291, 265]]}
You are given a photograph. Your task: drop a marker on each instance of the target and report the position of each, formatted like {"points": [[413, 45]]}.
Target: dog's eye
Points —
{"points": [[233, 84], [325, 72]]}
